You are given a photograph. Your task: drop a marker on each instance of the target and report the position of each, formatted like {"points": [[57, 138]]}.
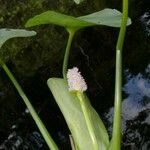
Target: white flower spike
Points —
{"points": [[75, 80]]}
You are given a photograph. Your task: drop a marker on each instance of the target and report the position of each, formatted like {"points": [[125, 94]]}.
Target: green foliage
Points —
{"points": [[6, 34], [70, 106], [51, 17], [69, 102], [108, 17], [116, 135]]}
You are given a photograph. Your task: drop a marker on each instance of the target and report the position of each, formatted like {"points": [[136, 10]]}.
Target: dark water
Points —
{"points": [[135, 111], [17, 129]]}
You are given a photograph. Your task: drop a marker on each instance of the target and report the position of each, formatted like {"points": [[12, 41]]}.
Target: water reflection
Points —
{"points": [[145, 19], [17, 140], [135, 110]]}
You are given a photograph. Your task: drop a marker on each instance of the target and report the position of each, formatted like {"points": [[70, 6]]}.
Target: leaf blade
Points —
{"points": [[6, 34], [72, 111], [51, 17], [107, 17]]}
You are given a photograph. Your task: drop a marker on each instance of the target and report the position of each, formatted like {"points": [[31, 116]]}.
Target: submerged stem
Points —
{"points": [[67, 52], [81, 98], [51, 144], [116, 135]]}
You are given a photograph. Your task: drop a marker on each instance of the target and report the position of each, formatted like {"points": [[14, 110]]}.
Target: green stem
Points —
{"points": [[80, 96], [67, 52], [116, 135], [123, 26], [51, 144]]}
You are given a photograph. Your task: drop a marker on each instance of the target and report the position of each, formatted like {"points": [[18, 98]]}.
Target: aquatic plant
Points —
{"points": [[87, 129], [116, 135], [6, 34]]}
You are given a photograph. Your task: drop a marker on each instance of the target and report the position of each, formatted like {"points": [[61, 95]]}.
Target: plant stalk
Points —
{"points": [[81, 98], [116, 135], [67, 52], [123, 26], [51, 144]]}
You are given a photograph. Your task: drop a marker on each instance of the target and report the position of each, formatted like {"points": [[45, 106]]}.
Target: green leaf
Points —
{"points": [[6, 34], [108, 17], [70, 107], [51, 17]]}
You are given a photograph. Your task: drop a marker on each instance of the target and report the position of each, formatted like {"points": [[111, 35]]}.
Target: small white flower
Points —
{"points": [[75, 80]]}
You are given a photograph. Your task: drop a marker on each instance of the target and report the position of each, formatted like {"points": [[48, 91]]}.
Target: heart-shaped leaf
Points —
{"points": [[108, 17], [72, 111], [6, 34]]}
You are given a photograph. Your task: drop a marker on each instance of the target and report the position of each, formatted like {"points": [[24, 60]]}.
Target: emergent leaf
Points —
{"points": [[6, 34], [108, 17], [70, 107]]}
